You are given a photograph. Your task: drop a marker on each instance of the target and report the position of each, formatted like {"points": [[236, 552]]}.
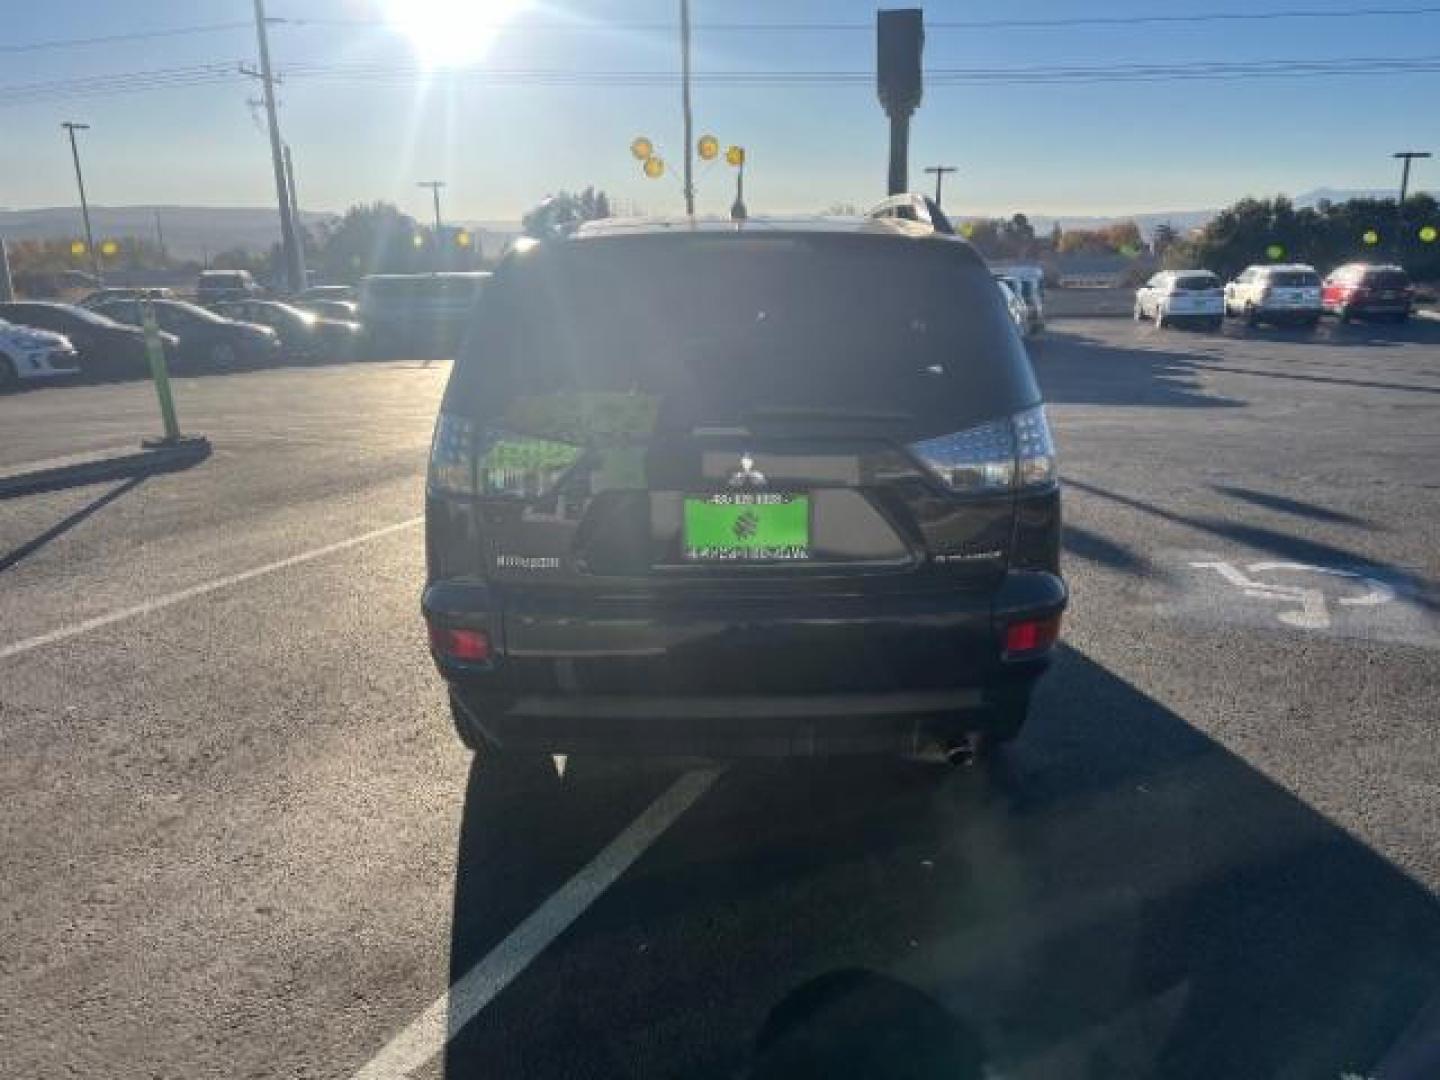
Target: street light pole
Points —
{"points": [[72, 127], [685, 108], [940, 171], [1407, 156], [435, 186]]}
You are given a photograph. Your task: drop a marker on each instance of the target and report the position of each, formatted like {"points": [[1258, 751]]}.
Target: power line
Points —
{"points": [[109, 39], [554, 26], [1036, 75], [967, 24]]}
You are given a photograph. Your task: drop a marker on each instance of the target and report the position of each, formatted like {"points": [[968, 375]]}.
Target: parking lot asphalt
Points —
{"points": [[239, 839]]}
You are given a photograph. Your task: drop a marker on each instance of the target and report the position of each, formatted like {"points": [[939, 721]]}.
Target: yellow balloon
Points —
{"points": [[1429, 234], [642, 148], [654, 167], [418, 240], [1275, 252], [735, 155], [708, 147], [109, 247], [462, 238], [77, 247], [1371, 237]]}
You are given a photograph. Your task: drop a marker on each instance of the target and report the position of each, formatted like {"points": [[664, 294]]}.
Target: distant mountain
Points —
{"points": [[1182, 220], [191, 232]]}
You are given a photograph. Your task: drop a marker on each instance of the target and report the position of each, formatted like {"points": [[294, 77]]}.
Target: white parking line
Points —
{"points": [[18, 647], [479, 986]]}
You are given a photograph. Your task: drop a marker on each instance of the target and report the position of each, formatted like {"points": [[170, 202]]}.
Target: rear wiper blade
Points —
{"points": [[826, 412]]}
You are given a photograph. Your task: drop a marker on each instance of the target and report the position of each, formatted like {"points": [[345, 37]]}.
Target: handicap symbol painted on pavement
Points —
{"points": [[1313, 611]]}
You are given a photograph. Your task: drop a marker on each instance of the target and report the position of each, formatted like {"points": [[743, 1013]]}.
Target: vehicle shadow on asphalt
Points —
{"points": [[1333, 333], [1075, 369], [1117, 895], [1304, 549], [1287, 505], [60, 528]]}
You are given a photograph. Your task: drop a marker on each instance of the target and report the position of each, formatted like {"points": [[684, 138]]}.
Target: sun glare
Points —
{"points": [[451, 33]]}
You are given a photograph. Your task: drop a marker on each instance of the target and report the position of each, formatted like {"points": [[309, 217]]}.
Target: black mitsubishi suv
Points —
{"points": [[781, 487]]}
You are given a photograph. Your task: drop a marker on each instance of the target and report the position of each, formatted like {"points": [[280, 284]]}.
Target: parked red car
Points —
{"points": [[1363, 291]]}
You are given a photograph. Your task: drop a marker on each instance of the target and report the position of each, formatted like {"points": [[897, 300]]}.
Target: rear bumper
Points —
{"points": [[846, 673], [1288, 314], [1195, 318]]}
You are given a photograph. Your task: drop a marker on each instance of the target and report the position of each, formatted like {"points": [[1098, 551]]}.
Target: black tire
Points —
{"points": [[1006, 713], [1345, 315], [492, 754], [1215, 325], [9, 380], [473, 739], [1252, 316], [1161, 322]]}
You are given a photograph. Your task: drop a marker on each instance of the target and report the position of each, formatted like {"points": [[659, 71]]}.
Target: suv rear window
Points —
{"points": [[1196, 282], [1293, 278], [1387, 279], [420, 288], [717, 330]]}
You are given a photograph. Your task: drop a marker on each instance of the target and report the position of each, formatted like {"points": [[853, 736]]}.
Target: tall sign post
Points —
{"points": [[899, 45]]}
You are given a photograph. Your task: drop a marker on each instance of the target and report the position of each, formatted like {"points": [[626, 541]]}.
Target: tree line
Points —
{"points": [[379, 238], [1324, 236]]}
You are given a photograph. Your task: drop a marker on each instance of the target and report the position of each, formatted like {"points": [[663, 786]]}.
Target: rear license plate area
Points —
{"points": [[747, 527]]}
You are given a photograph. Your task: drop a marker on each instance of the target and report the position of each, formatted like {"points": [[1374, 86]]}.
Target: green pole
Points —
{"points": [[155, 350]]}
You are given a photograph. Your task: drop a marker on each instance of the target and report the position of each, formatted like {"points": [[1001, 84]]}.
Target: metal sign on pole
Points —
{"points": [[685, 108], [899, 45]]}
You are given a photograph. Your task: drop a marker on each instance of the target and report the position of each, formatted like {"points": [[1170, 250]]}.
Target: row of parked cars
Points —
{"points": [[234, 324], [1291, 294]]}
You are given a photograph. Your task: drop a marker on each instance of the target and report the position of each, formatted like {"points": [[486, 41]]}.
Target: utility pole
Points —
{"points": [[685, 108], [940, 171], [294, 257], [435, 186], [294, 198], [7, 286], [73, 127], [1407, 156], [160, 236]]}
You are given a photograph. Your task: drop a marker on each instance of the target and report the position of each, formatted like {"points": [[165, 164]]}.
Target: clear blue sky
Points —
{"points": [[1079, 149]]}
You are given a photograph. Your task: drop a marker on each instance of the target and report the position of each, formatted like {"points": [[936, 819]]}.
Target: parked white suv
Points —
{"points": [[26, 353], [1173, 297], [1275, 294]]}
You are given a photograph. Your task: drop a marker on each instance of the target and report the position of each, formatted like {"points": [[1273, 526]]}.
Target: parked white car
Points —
{"points": [[1019, 314], [1173, 297], [27, 353], [1275, 294], [1029, 282]]}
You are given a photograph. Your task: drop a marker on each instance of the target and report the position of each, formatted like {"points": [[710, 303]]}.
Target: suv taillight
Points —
{"points": [[519, 466], [472, 461], [1014, 454], [452, 456]]}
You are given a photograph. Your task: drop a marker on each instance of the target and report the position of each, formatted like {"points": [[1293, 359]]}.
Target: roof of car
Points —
{"points": [[1294, 268], [660, 226]]}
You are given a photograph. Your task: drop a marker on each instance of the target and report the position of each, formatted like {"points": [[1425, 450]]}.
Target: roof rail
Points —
{"points": [[910, 206]]}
